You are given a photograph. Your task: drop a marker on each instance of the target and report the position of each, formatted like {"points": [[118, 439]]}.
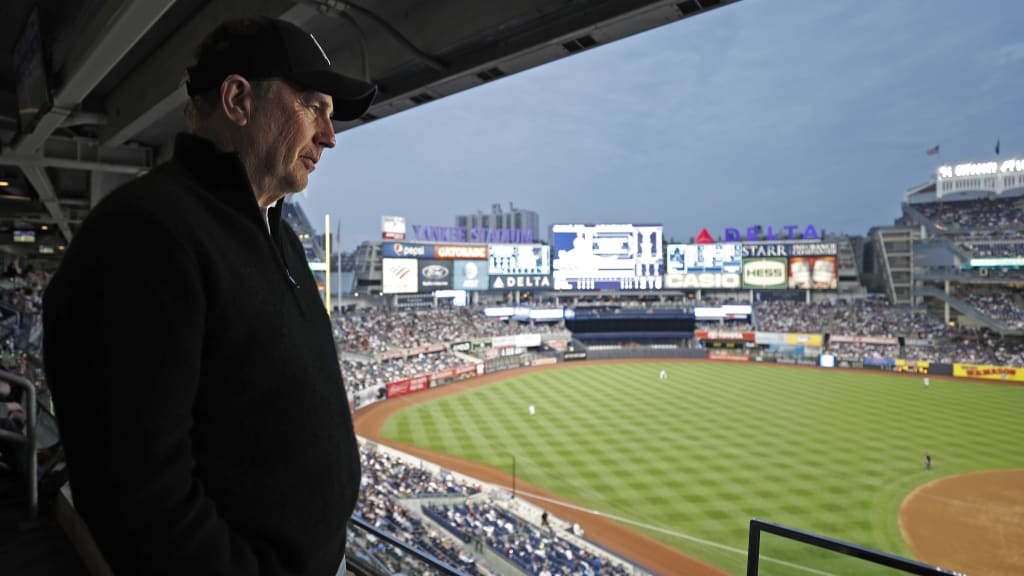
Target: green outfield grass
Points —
{"points": [[689, 460]]}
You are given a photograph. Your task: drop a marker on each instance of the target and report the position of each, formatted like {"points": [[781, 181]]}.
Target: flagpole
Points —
{"points": [[327, 261], [337, 240]]}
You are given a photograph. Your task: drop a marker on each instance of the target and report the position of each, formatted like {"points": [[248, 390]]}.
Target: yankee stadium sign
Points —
{"points": [[481, 235]]}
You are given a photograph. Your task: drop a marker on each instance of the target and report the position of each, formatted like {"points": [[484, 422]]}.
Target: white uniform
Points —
{"points": [[925, 382], [532, 410], [663, 375]]}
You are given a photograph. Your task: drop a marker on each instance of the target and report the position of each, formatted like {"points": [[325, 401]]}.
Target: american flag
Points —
{"points": [[933, 151]]}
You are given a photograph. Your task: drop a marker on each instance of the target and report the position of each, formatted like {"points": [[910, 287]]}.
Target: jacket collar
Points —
{"points": [[222, 175]]}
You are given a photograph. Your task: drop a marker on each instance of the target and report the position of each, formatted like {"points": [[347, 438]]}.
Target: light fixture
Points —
{"points": [[4, 183]]}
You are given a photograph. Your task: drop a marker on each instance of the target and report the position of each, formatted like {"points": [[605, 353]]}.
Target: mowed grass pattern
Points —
{"points": [[697, 455]]}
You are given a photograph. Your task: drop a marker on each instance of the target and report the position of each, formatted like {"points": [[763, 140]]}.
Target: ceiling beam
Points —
{"points": [[48, 196], [153, 91], [100, 52]]}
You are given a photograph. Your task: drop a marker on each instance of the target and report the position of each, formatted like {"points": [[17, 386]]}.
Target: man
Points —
{"points": [[192, 362]]}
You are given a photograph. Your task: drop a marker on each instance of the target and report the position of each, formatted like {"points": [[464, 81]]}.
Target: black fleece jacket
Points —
{"points": [[196, 382]]}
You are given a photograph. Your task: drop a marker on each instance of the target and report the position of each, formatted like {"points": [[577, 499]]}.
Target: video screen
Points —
{"points": [[25, 236], [817, 273], [607, 257], [519, 260], [703, 265]]}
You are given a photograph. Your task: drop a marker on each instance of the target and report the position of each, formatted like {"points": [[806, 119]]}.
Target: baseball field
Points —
{"points": [[688, 459]]}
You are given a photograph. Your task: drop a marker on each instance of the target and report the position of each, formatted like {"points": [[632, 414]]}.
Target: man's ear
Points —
{"points": [[236, 99]]}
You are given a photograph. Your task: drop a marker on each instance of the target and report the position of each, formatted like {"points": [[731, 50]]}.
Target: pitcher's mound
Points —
{"points": [[971, 523]]}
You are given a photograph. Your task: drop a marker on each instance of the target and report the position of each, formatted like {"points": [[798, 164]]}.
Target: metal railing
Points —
{"points": [[28, 439], [364, 565], [896, 562]]}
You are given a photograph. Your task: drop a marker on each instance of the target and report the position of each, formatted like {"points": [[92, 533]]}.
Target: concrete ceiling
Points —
{"points": [[114, 72]]}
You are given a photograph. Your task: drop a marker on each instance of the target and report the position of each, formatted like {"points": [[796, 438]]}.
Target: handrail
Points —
{"points": [[757, 526], [395, 542], [29, 439]]}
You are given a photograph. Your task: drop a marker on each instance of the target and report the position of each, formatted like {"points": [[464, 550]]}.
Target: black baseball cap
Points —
{"points": [[263, 48]]}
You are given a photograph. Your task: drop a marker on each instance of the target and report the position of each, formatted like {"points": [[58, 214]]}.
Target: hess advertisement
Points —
{"points": [[764, 273]]}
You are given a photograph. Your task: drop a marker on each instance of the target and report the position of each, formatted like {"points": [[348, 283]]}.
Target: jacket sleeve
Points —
{"points": [[124, 340]]}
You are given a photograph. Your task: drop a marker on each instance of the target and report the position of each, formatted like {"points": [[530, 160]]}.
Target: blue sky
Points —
{"points": [[770, 112]]}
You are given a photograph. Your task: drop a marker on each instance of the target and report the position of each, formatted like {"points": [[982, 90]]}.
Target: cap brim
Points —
{"points": [[352, 97]]}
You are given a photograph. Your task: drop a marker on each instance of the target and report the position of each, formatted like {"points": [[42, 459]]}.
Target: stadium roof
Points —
{"points": [[113, 70]]}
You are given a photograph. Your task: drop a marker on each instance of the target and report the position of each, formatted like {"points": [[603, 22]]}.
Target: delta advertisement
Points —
{"points": [[703, 265], [988, 372], [520, 267]]}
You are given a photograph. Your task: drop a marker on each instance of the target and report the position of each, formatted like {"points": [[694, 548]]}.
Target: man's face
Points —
{"points": [[290, 128]]}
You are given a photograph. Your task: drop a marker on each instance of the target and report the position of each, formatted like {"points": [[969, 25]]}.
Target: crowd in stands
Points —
{"points": [[982, 213], [375, 330], [535, 549], [861, 350], [392, 490], [993, 248], [360, 375], [1002, 306], [856, 318], [387, 480], [980, 346]]}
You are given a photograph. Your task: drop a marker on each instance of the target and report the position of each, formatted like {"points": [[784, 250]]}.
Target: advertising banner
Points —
{"points": [[435, 275], [461, 346], [913, 366], [428, 349], [399, 276], [406, 250], [694, 281], [718, 258], [408, 386], [723, 335], [769, 337], [813, 272], [520, 282], [805, 339], [703, 265], [580, 355], [788, 249], [726, 357], [461, 252], [864, 340], [764, 273], [988, 372], [392, 227], [470, 275], [519, 260]]}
